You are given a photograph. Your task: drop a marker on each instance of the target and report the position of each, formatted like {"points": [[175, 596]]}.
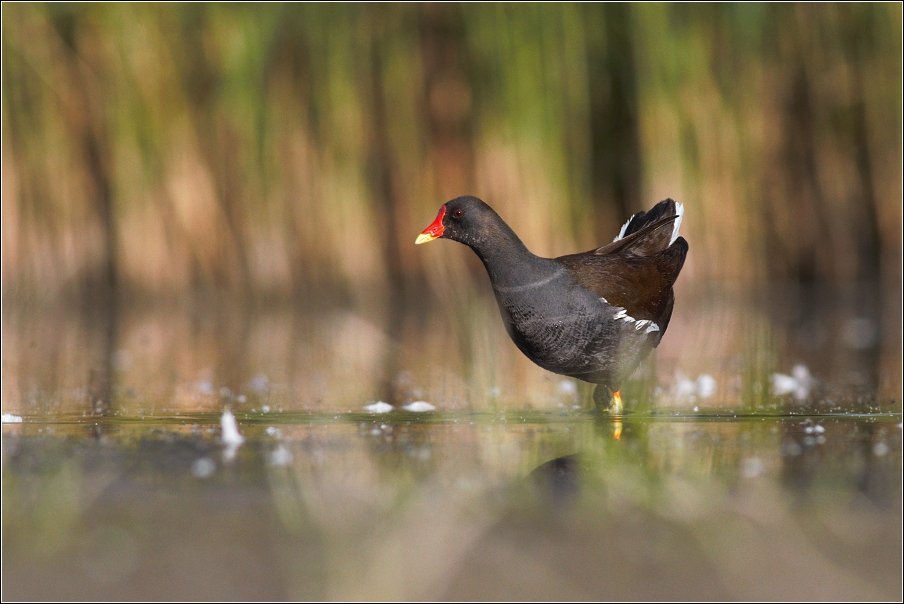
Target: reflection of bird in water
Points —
{"points": [[558, 477], [593, 316]]}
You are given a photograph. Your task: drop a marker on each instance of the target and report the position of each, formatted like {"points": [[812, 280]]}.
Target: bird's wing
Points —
{"points": [[642, 285], [649, 240]]}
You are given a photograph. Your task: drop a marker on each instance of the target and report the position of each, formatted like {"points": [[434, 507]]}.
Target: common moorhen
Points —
{"points": [[593, 316]]}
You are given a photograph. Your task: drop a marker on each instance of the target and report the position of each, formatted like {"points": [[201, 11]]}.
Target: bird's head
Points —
{"points": [[464, 219]]}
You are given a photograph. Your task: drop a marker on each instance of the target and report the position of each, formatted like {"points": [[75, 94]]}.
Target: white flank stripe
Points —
{"points": [[651, 327], [514, 288], [638, 325]]}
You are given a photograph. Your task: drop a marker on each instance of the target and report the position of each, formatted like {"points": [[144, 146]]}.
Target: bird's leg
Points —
{"points": [[608, 401], [601, 397], [616, 408]]}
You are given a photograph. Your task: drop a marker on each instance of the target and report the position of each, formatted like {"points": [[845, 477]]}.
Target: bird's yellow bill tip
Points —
{"points": [[424, 238]]}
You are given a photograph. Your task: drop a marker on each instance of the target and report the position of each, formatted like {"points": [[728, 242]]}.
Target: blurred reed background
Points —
{"points": [[287, 155]]}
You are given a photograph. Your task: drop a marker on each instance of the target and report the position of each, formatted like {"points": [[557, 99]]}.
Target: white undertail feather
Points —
{"points": [[621, 233], [679, 211]]}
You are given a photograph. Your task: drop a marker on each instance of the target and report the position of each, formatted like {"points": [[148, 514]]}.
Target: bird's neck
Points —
{"points": [[508, 261]]}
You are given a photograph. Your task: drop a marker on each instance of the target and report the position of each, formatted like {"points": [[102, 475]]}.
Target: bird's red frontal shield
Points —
{"points": [[434, 230]]}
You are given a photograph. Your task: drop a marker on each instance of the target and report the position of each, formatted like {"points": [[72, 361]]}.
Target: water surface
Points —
{"points": [[117, 483]]}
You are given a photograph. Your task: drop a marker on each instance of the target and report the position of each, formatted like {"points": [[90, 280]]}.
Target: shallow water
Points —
{"points": [[116, 482], [455, 506]]}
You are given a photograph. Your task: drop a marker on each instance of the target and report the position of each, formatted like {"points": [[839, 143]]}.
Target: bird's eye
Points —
{"points": [[457, 213]]}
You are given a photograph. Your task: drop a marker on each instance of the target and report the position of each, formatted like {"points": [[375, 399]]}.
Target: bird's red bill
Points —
{"points": [[434, 230]]}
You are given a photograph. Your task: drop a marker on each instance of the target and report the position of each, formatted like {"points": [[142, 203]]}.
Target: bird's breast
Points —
{"points": [[553, 321]]}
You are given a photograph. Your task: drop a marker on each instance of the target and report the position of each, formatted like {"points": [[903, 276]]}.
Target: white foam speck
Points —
{"points": [[567, 387], [800, 373], [687, 390], [420, 406], [9, 418], [231, 436], [378, 407], [203, 467], [280, 456], [684, 387], [706, 385], [259, 383], [880, 449], [783, 384], [800, 382]]}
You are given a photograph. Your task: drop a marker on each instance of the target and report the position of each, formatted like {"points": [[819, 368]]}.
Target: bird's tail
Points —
{"points": [[663, 209], [648, 233]]}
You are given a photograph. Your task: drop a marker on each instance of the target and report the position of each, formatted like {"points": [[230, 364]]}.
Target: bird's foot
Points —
{"points": [[608, 402]]}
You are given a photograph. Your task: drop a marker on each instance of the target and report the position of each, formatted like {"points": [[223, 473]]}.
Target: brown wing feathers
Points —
{"points": [[647, 241], [636, 272]]}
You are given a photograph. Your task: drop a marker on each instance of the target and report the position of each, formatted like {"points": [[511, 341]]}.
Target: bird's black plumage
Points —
{"points": [[593, 316]]}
